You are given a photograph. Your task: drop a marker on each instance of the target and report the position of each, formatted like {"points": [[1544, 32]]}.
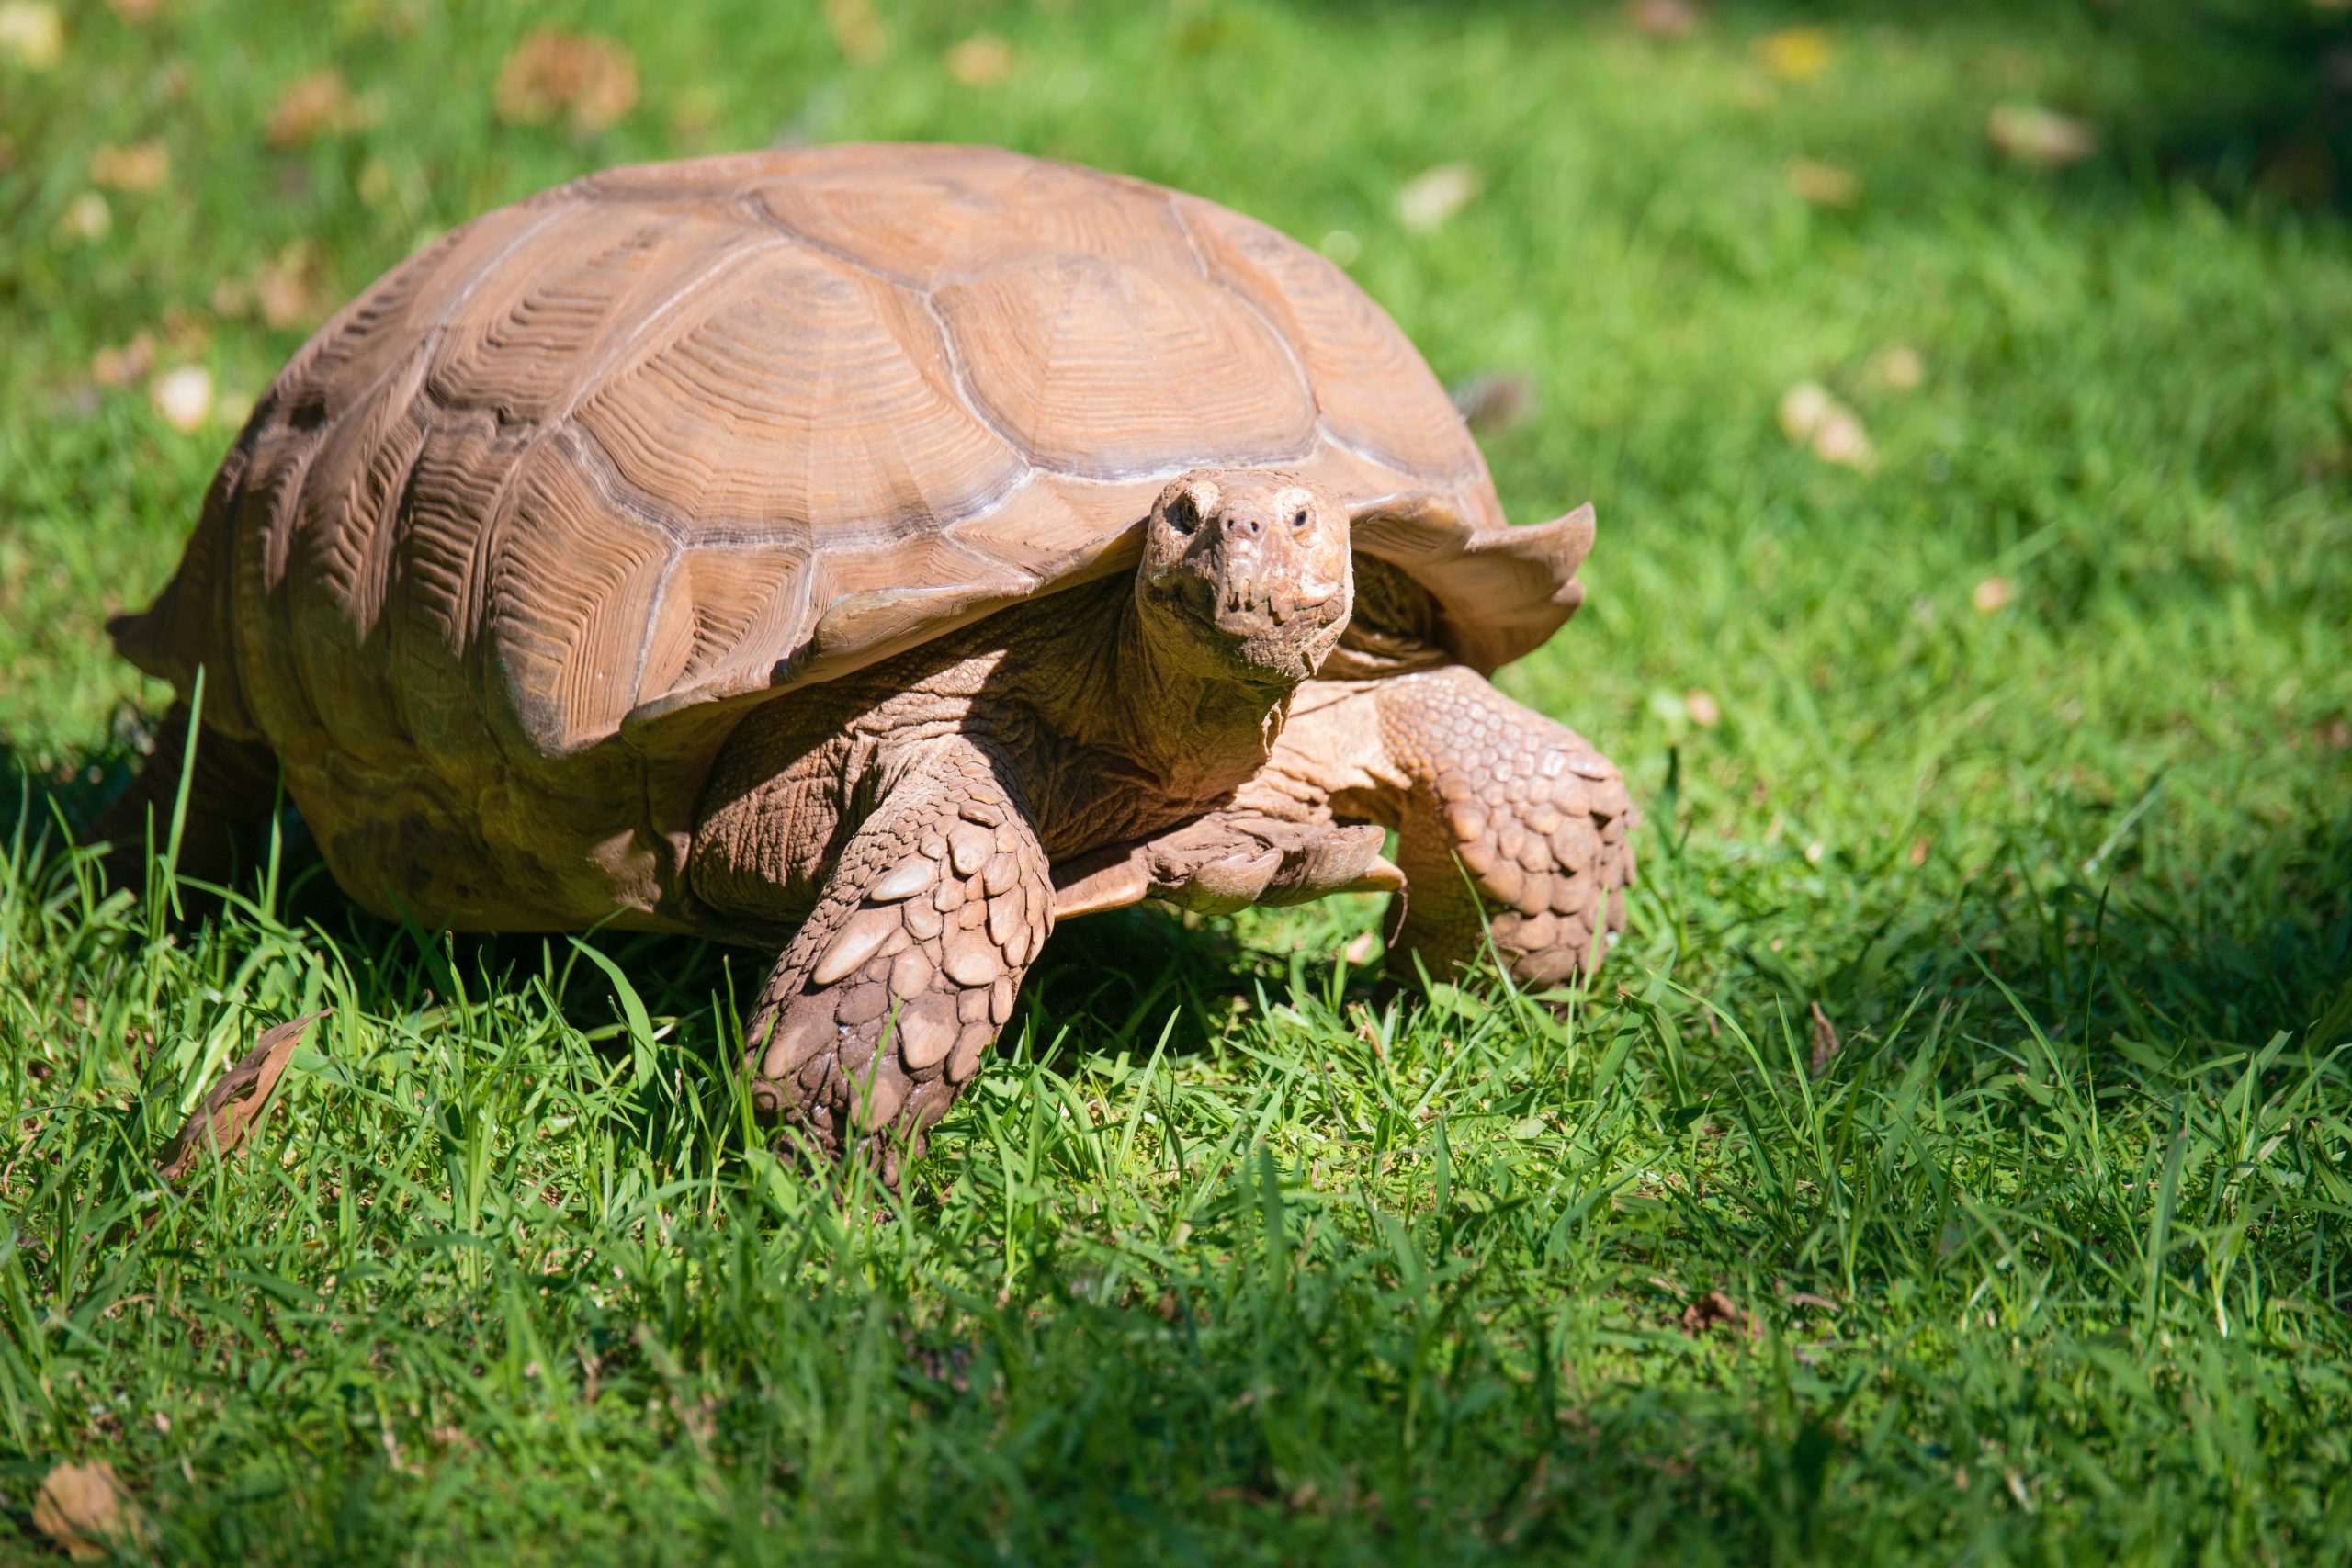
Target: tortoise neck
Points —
{"points": [[1115, 681]]}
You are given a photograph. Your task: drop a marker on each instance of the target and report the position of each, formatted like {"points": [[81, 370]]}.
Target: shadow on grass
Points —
{"points": [[2225, 953]]}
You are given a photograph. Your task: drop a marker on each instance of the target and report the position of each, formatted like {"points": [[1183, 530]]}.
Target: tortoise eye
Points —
{"points": [[1298, 518], [1183, 515]]}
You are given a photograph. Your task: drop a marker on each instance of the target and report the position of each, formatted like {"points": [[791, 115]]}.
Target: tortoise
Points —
{"points": [[878, 554]]}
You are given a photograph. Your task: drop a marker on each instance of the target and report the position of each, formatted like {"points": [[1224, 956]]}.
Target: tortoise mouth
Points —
{"points": [[1245, 617]]}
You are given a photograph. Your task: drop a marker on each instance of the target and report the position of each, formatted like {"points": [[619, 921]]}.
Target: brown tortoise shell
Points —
{"points": [[598, 467]]}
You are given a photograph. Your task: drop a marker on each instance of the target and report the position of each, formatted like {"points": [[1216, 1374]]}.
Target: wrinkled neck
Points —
{"points": [[1116, 680]]}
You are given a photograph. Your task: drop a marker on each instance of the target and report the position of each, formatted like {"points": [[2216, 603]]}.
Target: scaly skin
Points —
{"points": [[883, 1005], [1506, 821]]}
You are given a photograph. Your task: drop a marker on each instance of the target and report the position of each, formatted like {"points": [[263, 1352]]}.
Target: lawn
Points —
{"points": [[1953, 1165]]}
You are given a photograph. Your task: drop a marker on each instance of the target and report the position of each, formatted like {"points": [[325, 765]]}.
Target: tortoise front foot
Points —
{"points": [[881, 1009], [1509, 807]]}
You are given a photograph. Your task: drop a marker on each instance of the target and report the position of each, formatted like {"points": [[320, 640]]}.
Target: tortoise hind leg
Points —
{"points": [[232, 793], [881, 1008]]}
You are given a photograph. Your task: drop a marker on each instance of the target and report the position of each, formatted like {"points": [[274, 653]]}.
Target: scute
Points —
{"points": [[1106, 371], [926, 215], [1377, 395], [798, 396]]}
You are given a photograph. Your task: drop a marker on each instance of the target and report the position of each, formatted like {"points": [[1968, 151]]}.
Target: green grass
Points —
{"points": [[1227, 1260]]}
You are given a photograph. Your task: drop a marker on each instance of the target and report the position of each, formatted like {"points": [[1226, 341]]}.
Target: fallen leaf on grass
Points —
{"points": [[121, 367], [1991, 594], [1429, 198], [1823, 185], [1798, 54], [284, 289], [86, 1510], [1898, 369], [141, 167], [321, 103], [86, 218], [184, 397], [1716, 1310], [1496, 400], [1666, 18], [31, 34], [1811, 417], [2039, 138], [1361, 949], [981, 61], [1701, 705], [591, 80], [237, 1103], [857, 32], [1825, 1043]]}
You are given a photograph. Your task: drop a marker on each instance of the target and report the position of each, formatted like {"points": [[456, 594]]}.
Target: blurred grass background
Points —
{"points": [[1966, 394]]}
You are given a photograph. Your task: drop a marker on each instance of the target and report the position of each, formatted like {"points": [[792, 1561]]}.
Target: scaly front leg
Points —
{"points": [[1473, 783], [880, 1010]]}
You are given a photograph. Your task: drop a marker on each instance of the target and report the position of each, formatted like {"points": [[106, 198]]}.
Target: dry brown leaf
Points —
{"points": [[2039, 138], [1991, 594], [286, 289], [141, 166], [1798, 54], [1361, 949], [121, 367], [857, 32], [321, 103], [186, 333], [31, 33], [86, 218], [1899, 368], [1429, 198], [1666, 18], [981, 61], [237, 1103], [590, 80], [1811, 417], [1494, 400], [1825, 1043], [1823, 185], [86, 1510], [1699, 704]]}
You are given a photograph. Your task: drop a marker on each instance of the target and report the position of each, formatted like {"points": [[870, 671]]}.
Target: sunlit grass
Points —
{"points": [[1230, 1257]]}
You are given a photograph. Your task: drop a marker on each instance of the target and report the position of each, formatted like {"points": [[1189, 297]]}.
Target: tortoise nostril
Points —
{"points": [[1245, 525]]}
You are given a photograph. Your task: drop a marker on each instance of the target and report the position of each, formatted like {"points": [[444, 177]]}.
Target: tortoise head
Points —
{"points": [[1247, 574]]}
